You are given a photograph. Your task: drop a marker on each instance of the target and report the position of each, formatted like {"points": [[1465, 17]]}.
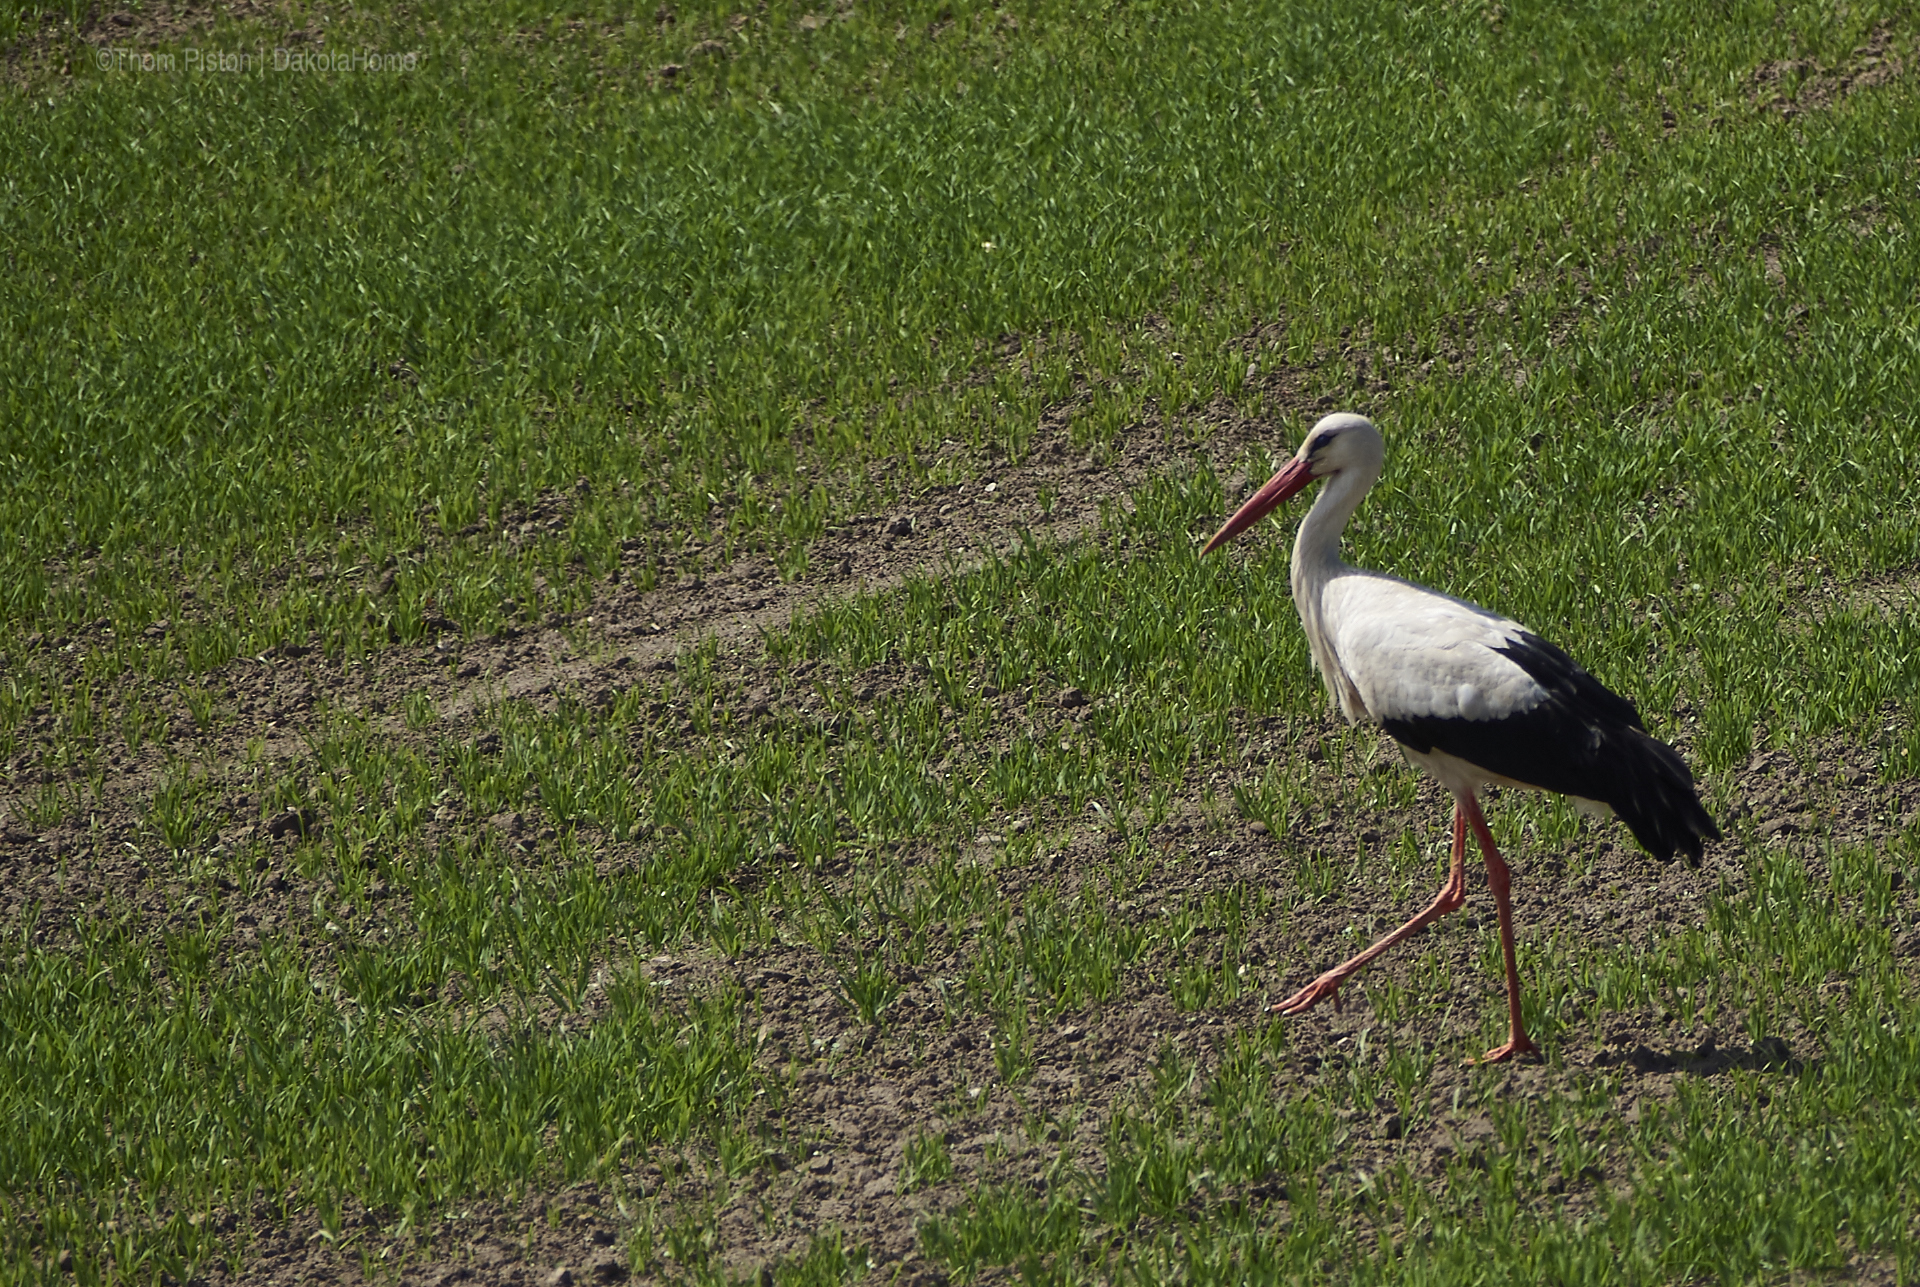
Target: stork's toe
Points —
{"points": [[1324, 988]]}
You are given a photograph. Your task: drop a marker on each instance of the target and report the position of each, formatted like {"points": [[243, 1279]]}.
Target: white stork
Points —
{"points": [[1470, 696]]}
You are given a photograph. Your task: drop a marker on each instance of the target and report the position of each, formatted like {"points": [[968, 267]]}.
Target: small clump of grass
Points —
{"points": [[925, 1162]]}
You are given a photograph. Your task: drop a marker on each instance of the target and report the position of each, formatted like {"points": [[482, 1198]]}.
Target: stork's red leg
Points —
{"points": [[1500, 880], [1449, 899]]}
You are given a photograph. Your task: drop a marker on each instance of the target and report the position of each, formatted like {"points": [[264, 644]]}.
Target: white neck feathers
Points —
{"points": [[1316, 561]]}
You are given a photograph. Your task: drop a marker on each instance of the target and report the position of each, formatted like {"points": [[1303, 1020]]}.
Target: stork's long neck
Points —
{"points": [[1316, 550], [1316, 561]]}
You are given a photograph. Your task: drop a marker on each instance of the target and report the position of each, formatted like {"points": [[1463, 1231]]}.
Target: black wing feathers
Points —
{"points": [[1583, 740]]}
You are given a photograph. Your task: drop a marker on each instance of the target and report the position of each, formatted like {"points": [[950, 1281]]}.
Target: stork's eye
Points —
{"points": [[1320, 441]]}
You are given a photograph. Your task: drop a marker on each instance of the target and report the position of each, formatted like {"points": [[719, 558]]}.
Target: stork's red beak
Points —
{"points": [[1282, 487]]}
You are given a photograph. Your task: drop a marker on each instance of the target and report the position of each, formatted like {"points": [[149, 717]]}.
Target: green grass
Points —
{"points": [[151, 1091], [331, 358], [411, 320]]}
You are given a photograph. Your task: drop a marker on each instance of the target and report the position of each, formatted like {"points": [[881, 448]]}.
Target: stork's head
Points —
{"points": [[1340, 443]]}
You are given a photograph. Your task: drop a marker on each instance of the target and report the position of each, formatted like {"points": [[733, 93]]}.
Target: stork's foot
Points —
{"points": [[1324, 988], [1520, 1045]]}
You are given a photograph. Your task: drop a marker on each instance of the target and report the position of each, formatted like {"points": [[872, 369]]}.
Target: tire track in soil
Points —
{"points": [[285, 697]]}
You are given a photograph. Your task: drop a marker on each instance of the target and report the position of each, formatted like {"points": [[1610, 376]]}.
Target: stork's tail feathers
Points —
{"points": [[1654, 795]]}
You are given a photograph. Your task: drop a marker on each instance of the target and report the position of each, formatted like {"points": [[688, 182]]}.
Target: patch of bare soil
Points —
{"points": [[1892, 592], [1793, 86], [53, 42]]}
